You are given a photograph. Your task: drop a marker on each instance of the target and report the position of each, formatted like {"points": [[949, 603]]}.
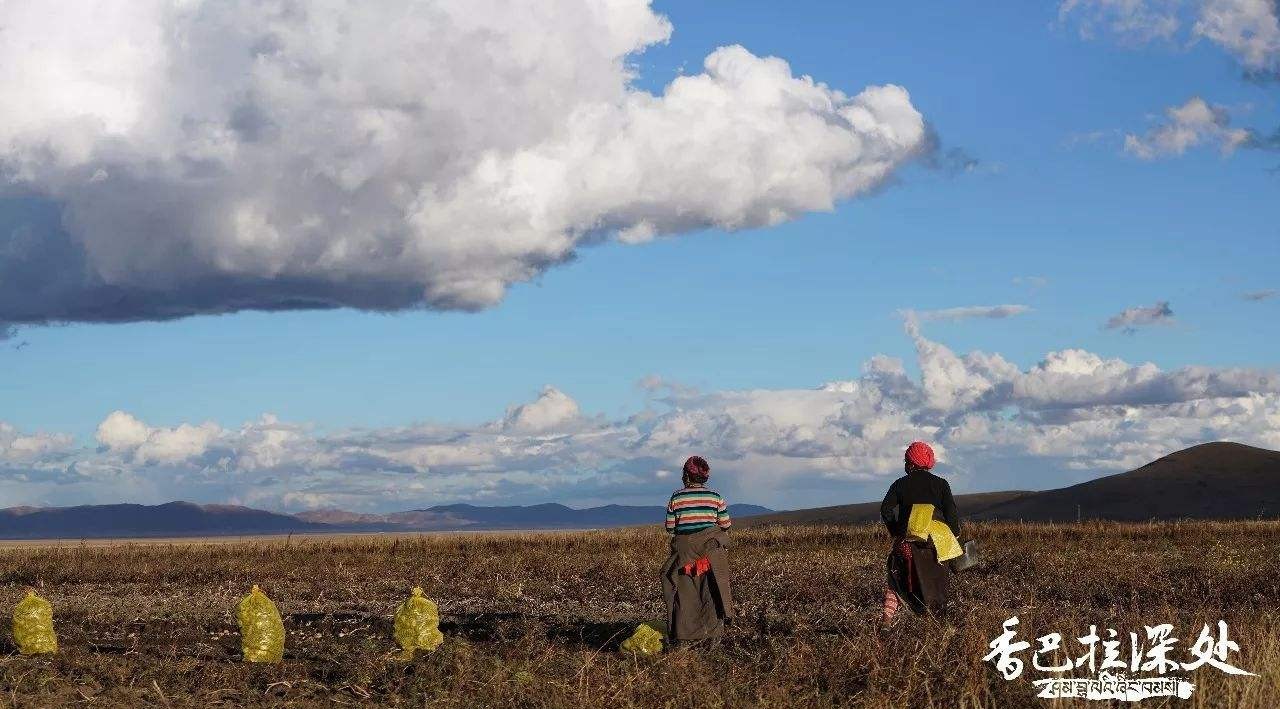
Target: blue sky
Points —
{"points": [[1054, 214]]}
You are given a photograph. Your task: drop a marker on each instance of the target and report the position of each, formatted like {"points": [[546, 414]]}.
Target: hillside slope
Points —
{"points": [[1220, 480], [1209, 481]]}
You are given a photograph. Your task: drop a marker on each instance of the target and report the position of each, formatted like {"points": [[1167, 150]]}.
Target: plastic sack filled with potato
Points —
{"points": [[33, 626], [647, 639], [417, 624], [261, 630]]}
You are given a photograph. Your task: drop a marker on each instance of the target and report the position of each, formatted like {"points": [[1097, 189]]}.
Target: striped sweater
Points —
{"points": [[695, 508]]}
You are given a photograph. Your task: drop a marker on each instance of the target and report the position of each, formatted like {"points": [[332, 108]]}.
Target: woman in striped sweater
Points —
{"points": [[695, 578], [694, 508]]}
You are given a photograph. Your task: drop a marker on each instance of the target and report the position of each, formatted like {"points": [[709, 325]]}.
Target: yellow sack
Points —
{"points": [[646, 640], [919, 521], [261, 630], [922, 525], [33, 626], [418, 624]]}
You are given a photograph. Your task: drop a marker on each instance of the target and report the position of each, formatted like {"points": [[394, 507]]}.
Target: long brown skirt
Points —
{"points": [[697, 606], [920, 581]]}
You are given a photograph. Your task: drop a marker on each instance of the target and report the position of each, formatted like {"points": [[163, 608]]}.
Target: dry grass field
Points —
{"points": [[534, 620]]}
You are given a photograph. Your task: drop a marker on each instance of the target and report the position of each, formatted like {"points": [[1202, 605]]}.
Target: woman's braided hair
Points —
{"points": [[696, 470]]}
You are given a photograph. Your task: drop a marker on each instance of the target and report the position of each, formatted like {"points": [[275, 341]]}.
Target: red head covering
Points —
{"points": [[697, 469], [920, 455]]}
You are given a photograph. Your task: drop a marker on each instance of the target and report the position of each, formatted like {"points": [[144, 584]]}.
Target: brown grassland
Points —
{"points": [[534, 620]]}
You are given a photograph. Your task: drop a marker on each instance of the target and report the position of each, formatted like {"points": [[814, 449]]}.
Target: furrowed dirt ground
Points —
{"points": [[534, 620]]}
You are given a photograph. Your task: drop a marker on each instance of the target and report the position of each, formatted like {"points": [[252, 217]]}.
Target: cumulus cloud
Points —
{"points": [[994, 423], [17, 447], [1192, 124], [195, 157], [121, 432], [1079, 382], [553, 408], [1247, 29], [1130, 319]]}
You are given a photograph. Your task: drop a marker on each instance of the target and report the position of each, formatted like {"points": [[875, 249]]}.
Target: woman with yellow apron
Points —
{"points": [[920, 514]]}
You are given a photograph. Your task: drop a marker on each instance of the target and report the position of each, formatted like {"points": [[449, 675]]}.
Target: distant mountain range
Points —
{"points": [[184, 519], [1209, 481], [173, 519], [548, 516]]}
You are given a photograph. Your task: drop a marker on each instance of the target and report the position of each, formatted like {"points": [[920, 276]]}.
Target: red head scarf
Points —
{"points": [[697, 469], [920, 455]]}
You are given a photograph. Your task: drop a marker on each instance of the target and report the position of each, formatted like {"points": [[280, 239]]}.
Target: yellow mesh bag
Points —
{"points": [[261, 630], [922, 525], [918, 522], [646, 640], [33, 626], [418, 624], [946, 544]]}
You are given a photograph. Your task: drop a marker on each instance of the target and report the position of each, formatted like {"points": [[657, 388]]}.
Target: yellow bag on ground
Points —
{"points": [[418, 624], [922, 525], [646, 640], [33, 626], [261, 630]]}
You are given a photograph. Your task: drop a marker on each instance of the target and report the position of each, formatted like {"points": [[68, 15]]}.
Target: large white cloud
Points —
{"points": [[122, 433], [191, 156], [994, 424]]}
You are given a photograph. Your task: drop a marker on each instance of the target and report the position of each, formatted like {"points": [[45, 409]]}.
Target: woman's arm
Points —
{"points": [[889, 509], [722, 514]]}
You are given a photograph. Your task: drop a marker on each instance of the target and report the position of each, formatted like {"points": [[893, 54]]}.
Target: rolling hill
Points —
{"points": [[1219, 480], [1209, 481]]}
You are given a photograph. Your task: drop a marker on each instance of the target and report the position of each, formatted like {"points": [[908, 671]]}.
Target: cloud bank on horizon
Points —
{"points": [[180, 158], [1072, 411]]}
